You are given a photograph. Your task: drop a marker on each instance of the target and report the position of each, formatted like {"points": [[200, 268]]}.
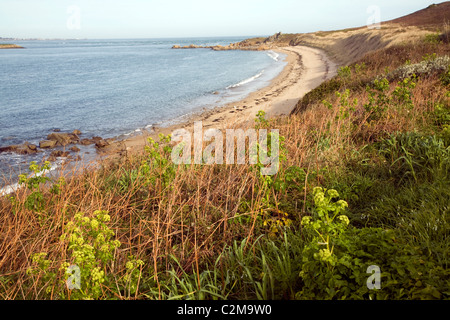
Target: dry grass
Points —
{"points": [[193, 217], [428, 17], [190, 219], [347, 46]]}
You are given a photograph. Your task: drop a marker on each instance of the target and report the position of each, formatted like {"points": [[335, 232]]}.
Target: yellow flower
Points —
{"points": [[324, 254], [344, 219], [333, 193], [94, 224], [342, 203], [306, 220], [64, 266]]}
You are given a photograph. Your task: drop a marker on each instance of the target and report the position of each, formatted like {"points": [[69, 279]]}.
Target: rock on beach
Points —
{"points": [[63, 139], [26, 148]]}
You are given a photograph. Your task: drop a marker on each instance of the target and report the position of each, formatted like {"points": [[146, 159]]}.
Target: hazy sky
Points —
{"points": [[188, 18]]}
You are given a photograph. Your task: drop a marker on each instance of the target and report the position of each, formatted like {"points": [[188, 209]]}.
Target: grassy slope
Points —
{"points": [[426, 17], [205, 231], [348, 45]]}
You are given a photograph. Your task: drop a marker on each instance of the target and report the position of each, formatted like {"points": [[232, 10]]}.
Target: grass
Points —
{"points": [[224, 232]]}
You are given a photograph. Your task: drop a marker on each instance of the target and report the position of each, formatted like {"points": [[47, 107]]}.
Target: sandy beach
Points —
{"points": [[306, 69]]}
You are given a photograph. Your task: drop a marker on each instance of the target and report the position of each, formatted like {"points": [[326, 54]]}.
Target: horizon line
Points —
{"points": [[130, 38]]}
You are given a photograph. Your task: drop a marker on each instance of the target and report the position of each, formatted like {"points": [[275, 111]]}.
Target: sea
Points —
{"points": [[117, 88]]}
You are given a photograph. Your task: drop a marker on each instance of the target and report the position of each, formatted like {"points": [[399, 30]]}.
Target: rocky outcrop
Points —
{"points": [[47, 144], [232, 46], [63, 139], [273, 38], [256, 44], [98, 141], [101, 143], [58, 139], [191, 46], [86, 142], [58, 154], [26, 148]]}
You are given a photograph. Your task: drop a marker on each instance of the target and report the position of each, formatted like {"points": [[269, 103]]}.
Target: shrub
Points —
{"points": [[337, 257], [318, 94], [441, 114], [433, 38], [431, 65], [34, 183], [378, 99], [91, 247], [403, 92], [445, 77], [345, 72], [414, 155], [319, 258]]}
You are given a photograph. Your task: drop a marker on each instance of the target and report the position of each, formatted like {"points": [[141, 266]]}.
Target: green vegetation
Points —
{"points": [[362, 181], [433, 38]]}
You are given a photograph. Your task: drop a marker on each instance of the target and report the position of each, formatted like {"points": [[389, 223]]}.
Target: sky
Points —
{"points": [[102, 19]]}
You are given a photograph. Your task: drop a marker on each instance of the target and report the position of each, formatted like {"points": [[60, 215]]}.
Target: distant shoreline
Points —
{"points": [[10, 46]]}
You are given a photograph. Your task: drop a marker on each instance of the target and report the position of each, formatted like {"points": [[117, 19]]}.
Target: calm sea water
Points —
{"points": [[113, 88]]}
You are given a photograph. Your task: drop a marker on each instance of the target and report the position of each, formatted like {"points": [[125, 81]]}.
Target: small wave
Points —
{"points": [[137, 131], [14, 187], [246, 81], [9, 189], [273, 55]]}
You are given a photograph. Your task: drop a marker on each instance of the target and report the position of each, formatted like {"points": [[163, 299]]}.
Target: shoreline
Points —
{"points": [[306, 69]]}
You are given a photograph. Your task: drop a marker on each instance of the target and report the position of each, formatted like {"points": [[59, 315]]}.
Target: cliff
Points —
{"points": [[348, 45]]}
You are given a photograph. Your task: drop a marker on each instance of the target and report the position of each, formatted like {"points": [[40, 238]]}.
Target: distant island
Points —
{"points": [[10, 46], [255, 44]]}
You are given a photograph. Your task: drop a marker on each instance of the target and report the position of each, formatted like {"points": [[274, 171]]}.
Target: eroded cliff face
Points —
{"points": [[349, 45], [343, 46]]}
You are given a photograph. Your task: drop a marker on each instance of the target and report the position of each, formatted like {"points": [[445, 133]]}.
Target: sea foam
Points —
{"points": [[275, 56], [246, 80], [16, 186]]}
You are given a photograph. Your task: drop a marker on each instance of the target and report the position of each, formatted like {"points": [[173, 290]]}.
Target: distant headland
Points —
{"points": [[255, 44]]}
